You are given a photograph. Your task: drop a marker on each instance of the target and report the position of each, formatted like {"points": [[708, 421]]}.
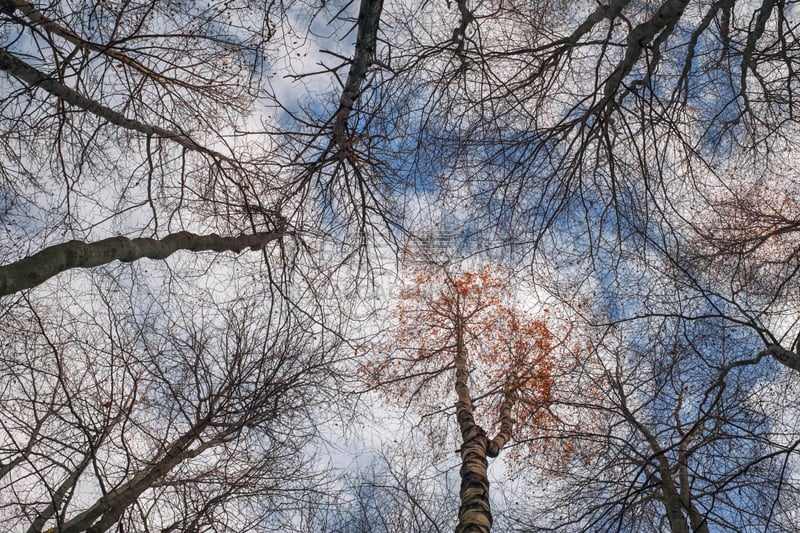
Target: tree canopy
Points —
{"points": [[240, 240]]}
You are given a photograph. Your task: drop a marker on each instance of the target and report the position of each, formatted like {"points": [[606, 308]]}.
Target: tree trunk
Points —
{"points": [[658, 27], [108, 509], [33, 270], [369, 16], [59, 495], [696, 520], [671, 498], [474, 514]]}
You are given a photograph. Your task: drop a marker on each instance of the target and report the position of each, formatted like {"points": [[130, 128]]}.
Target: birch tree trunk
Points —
{"points": [[474, 514]]}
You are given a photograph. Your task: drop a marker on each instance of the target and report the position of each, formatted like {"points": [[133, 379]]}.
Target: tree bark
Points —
{"points": [[662, 23], [696, 519], [474, 514], [369, 16], [671, 498], [785, 357], [506, 423], [59, 495], [33, 270], [63, 491], [108, 509]]}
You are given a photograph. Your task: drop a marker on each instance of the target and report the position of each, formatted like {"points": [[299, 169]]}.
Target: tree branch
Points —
{"points": [[785, 357], [35, 78], [34, 270], [39, 19]]}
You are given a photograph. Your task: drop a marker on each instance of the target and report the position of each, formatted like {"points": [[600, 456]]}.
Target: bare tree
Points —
{"points": [[685, 441], [152, 421], [108, 119], [629, 153]]}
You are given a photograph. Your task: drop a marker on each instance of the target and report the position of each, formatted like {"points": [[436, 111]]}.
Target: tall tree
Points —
{"points": [[459, 332]]}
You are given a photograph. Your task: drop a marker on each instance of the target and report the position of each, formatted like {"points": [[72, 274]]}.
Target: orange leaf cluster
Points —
{"points": [[511, 355]]}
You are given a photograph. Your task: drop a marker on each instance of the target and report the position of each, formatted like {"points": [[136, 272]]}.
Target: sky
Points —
{"points": [[608, 212]]}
